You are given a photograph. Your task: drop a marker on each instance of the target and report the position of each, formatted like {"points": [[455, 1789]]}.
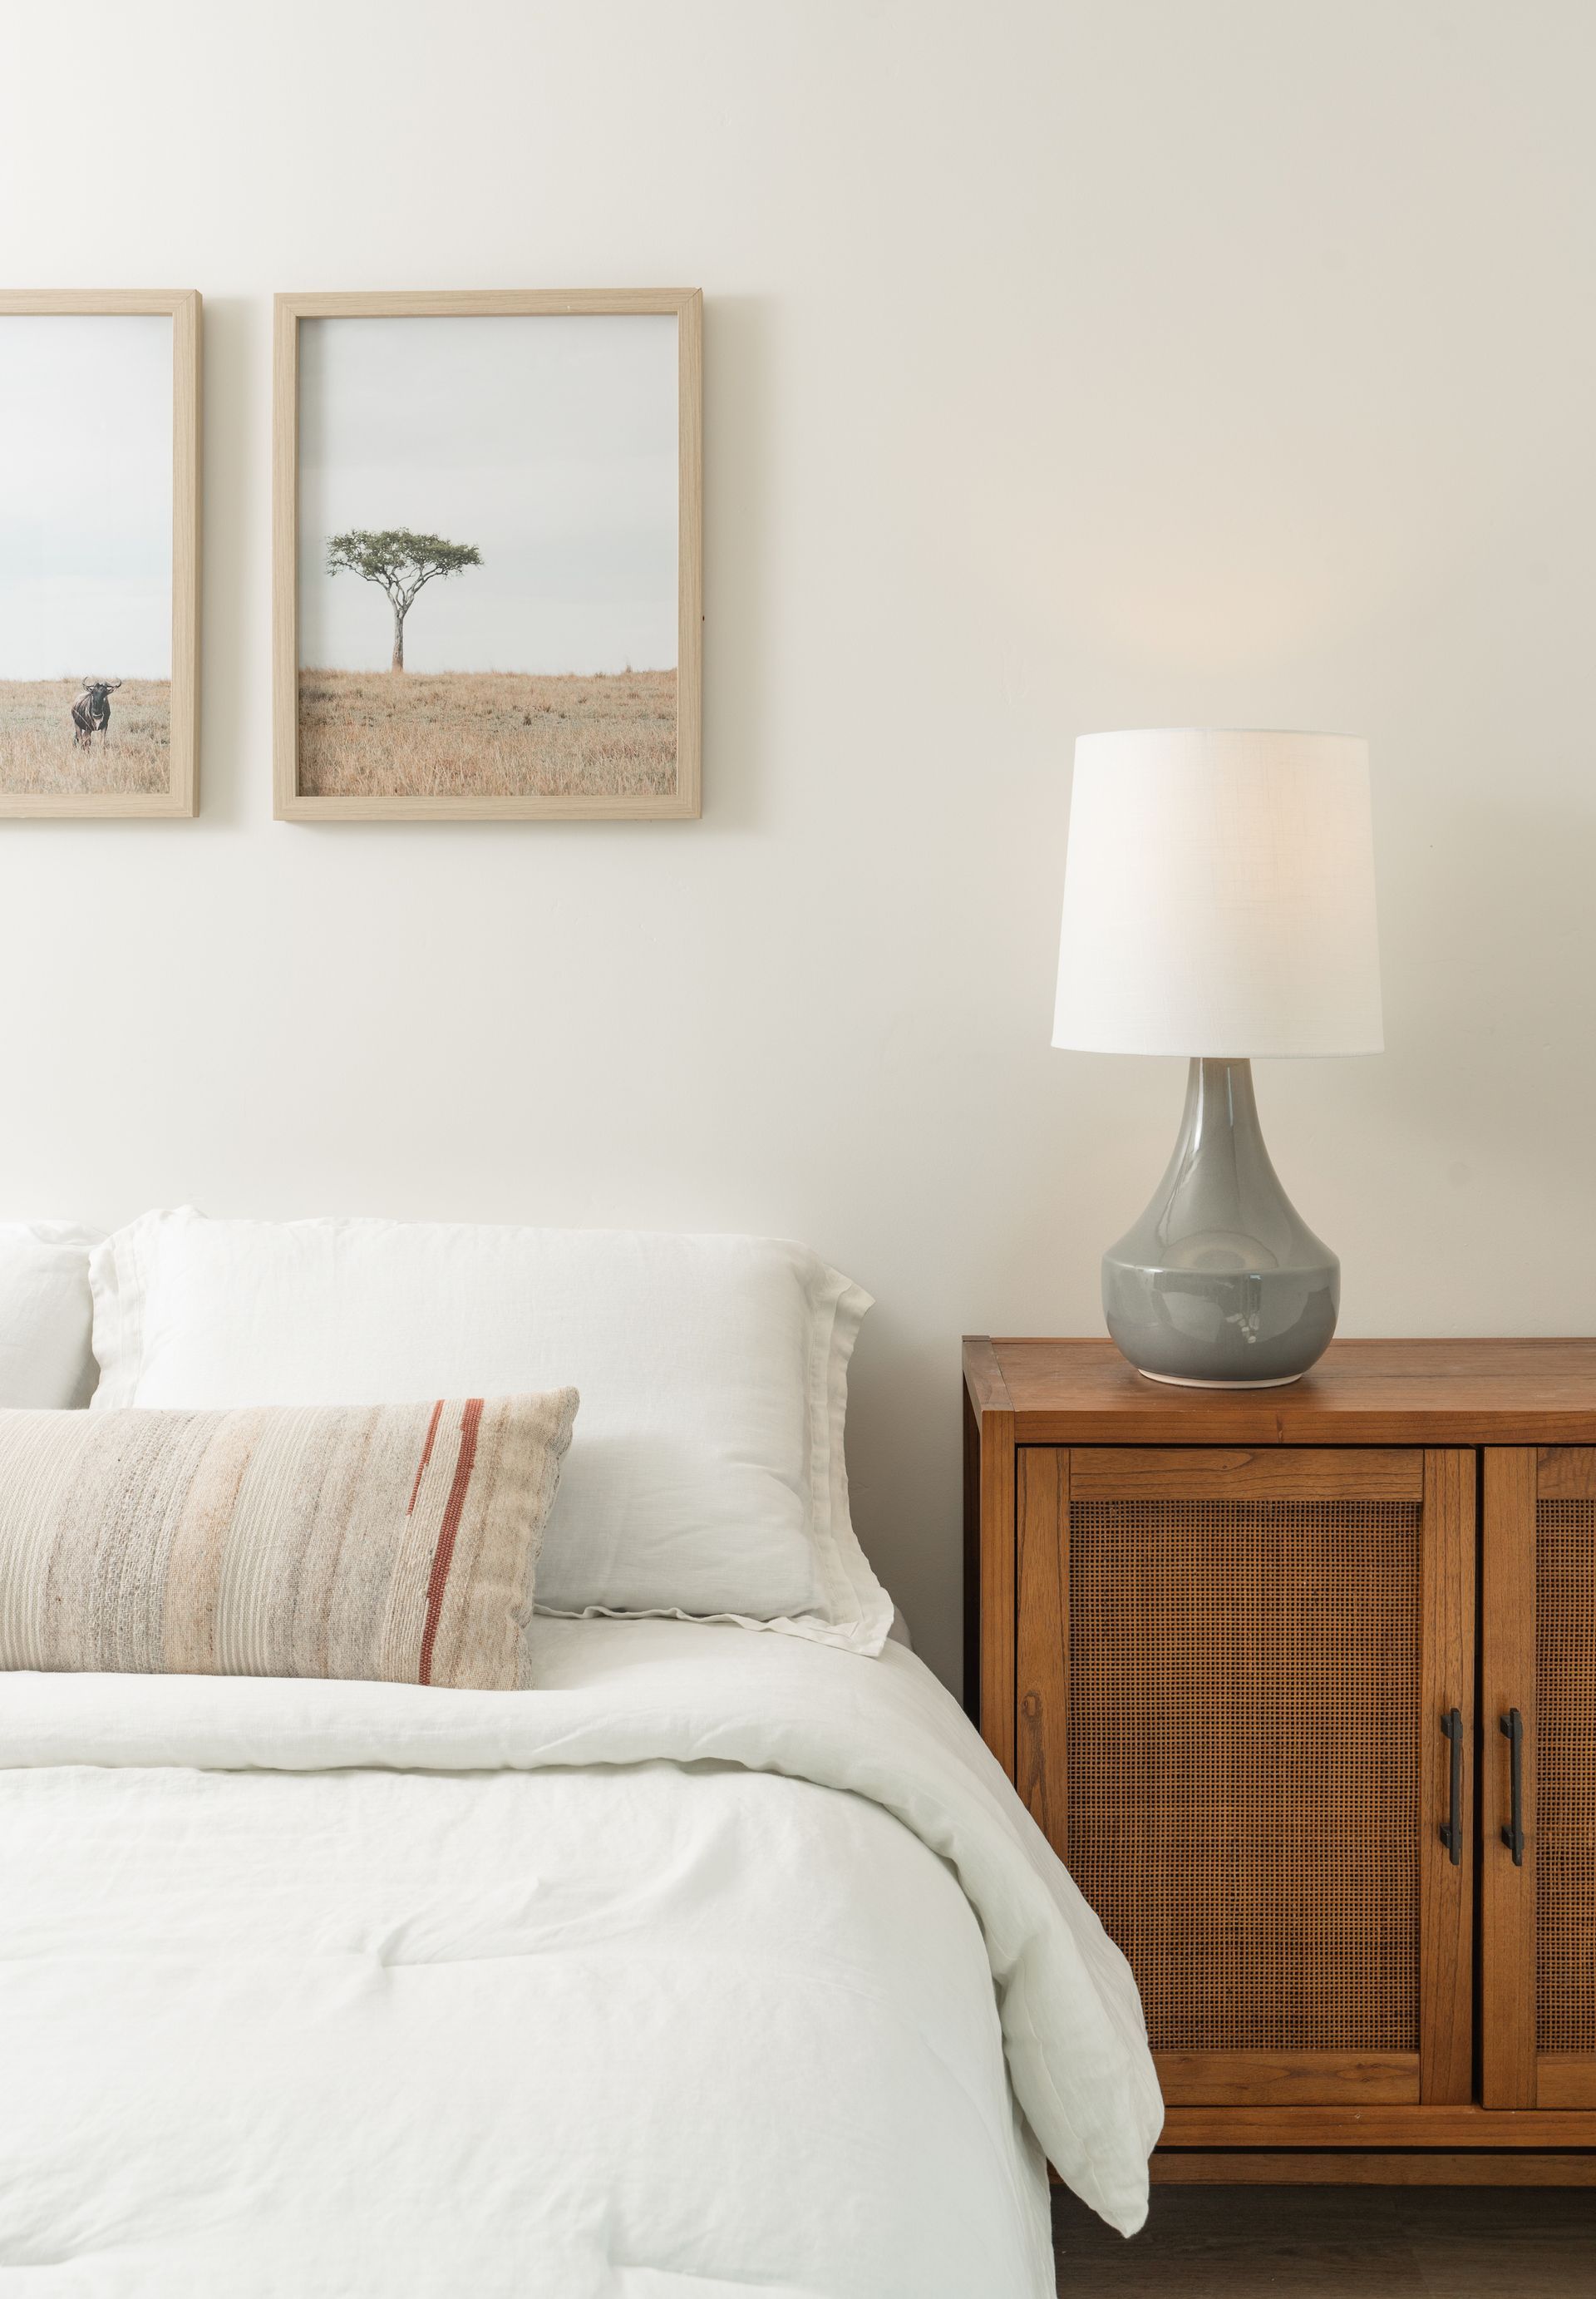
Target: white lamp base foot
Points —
{"points": [[1190, 1381]]}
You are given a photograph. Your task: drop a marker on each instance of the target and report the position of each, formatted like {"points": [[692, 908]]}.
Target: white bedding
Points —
{"points": [[600, 1991]]}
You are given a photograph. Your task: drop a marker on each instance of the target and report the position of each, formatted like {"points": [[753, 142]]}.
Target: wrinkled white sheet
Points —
{"points": [[600, 1991]]}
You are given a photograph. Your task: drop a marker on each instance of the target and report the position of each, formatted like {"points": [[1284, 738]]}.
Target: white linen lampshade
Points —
{"points": [[1220, 896]]}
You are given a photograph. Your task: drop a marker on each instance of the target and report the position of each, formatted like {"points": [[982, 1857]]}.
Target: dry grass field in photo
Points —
{"points": [[483, 734], [38, 756]]}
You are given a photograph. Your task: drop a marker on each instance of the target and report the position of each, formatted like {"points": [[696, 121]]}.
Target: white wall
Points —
{"points": [[1068, 365]]}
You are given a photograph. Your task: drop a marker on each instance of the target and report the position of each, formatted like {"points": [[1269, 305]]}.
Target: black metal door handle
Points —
{"points": [[1512, 1836], [1451, 1828]]}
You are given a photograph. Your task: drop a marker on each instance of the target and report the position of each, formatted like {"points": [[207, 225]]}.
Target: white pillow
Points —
{"points": [[45, 1355], [708, 1478]]}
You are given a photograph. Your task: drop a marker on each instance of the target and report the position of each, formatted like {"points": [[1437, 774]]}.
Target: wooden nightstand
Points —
{"points": [[1266, 1666]]}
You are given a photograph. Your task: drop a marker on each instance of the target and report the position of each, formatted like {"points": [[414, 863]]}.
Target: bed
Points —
{"points": [[719, 1960]]}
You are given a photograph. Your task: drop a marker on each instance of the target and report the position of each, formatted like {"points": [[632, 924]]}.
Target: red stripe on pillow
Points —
{"points": [[426, 1454], [442, 1555]]}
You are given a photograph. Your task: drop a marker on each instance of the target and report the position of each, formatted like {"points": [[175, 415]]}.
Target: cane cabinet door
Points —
{"points": [[1538, 1778], [1244, 1717]]}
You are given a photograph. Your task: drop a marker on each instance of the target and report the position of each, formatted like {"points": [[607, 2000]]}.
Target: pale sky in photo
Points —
{"points": [[548, 443], [86, 497]]}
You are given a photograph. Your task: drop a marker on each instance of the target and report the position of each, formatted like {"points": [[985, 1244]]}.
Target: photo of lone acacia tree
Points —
{"points": [[543, 662], [398, 563]]}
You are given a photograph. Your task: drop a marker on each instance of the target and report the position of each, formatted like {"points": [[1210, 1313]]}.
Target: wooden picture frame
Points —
{"points": [[180, 797], [293, 802]]}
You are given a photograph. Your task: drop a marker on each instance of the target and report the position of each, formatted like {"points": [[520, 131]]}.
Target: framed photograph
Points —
{"points": [[99, 552], [487, 539]]}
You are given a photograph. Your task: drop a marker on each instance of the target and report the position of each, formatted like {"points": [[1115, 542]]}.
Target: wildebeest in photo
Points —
{"points": [[91, 712]]}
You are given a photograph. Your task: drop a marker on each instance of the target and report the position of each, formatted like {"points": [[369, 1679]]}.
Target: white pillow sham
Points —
{"points": [[708, 1479], [45, 1354]]}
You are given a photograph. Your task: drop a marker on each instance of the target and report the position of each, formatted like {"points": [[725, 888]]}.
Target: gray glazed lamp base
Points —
{"points": [[1222, 1284]]}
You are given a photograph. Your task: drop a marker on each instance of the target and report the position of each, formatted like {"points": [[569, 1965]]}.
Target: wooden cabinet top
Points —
{"points": [[1463, 1392]]}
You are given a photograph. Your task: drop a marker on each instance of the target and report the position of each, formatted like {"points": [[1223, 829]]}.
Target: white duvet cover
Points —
{"points": [[691, 1972]]}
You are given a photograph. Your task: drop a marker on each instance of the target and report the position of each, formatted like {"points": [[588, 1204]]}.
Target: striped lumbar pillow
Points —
{"points": [[393, 1541]]}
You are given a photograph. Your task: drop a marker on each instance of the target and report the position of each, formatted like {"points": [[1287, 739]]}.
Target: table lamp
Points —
{"points": [[1220, 903]]}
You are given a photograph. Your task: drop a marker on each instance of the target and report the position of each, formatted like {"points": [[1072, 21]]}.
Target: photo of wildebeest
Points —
{"points": [[86, 497]]}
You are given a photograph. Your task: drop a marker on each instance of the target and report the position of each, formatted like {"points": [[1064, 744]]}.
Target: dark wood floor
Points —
{"points": [[1337, 2243]]}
